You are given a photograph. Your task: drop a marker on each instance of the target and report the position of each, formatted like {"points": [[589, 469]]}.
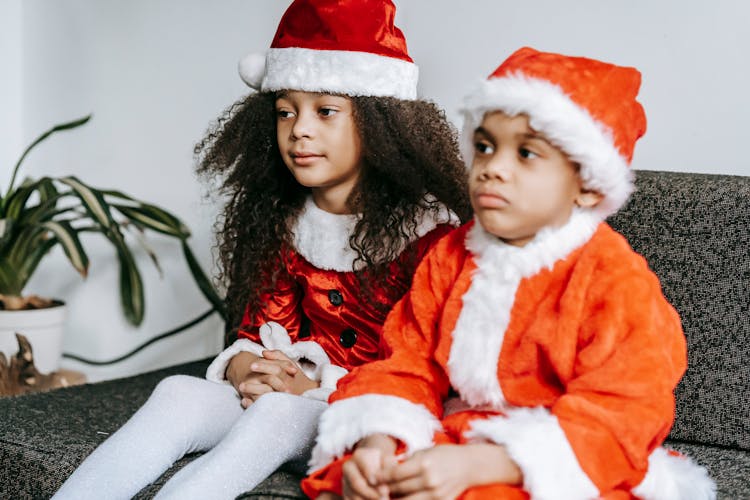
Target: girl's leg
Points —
{"points": [[184, 414], [275, 429]]}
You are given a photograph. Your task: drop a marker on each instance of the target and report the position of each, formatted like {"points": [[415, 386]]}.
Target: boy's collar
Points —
{"points": [[548, 246]]}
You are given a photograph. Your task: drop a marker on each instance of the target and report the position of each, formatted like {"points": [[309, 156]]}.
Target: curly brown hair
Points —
{"points": [[408, 149]]}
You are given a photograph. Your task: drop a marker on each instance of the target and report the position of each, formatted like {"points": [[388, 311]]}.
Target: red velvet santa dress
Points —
{"points": [[317, 311]]}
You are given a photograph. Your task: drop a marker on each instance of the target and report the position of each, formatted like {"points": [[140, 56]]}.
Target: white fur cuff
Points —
{"points": [[536, 442], [674, 478], [216, 371], [329, 377], [348, 421]]}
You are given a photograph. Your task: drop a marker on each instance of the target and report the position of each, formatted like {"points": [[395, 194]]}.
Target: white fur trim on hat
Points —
{"points": [[334, 71], [487, 304], [322, 238], [567, 125], [534, 440], [674, 478], [348, 421]]}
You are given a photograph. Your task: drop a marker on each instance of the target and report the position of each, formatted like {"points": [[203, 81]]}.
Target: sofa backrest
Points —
{"points": [[694, 230]]}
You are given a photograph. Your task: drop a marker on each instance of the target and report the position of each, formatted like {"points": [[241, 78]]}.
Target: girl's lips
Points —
{"points": [[490, 200], [304, 159]]}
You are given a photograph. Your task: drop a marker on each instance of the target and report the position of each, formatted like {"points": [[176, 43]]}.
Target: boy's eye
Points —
{"points": [[328, 111], [483, 148], [527, 154]]}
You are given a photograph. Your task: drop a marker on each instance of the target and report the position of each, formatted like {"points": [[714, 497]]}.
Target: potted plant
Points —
{"points": [[38, 214]]}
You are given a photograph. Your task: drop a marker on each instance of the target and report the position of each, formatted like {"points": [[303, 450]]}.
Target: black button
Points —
{"points": [[335, 297], [348, 337]]}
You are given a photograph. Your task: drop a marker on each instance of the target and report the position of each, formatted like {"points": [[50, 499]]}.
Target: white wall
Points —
{"points": [[156, 72]]}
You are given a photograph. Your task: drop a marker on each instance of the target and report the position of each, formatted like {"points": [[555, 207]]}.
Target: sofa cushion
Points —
{"points": [[727, 467], [693, 230], [45, 436]]}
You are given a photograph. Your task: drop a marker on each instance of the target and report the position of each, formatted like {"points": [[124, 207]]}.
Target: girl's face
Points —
{"points": [[519, 182], [320, 145]]}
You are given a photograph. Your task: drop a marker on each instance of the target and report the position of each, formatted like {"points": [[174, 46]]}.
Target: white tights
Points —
{"points": [[188, 414]]}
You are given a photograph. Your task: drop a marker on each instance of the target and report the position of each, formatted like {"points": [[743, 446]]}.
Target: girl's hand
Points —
{"points": [[446, 471], [282, 374], [363, 471]]}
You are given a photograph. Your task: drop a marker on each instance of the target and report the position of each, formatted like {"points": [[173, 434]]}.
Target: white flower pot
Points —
{"points": [[44, 330]]}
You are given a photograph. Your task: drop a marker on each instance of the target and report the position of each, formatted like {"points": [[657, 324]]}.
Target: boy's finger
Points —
{"points": [[355, 484], [284, 361], [267, 367], [407, 469]]}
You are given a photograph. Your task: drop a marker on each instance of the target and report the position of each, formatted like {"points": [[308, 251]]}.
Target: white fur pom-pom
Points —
{"points": [[252, 69]]}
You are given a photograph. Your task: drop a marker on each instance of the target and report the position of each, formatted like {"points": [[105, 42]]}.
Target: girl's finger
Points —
{"points": [[275, 383], [253, 389], [267, 367], [284, 361]]}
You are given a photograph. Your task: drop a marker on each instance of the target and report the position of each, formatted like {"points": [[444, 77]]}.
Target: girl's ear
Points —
{"points": [[587, 198]]}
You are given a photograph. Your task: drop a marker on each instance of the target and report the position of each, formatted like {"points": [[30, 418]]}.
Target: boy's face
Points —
{"points": [[519, 182], [319, 143]]}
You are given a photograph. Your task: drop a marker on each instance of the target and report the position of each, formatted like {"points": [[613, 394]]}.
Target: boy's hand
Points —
{"points": [[446, 471], [363, 471]]}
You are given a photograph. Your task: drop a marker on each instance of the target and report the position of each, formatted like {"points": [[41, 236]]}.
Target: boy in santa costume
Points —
{"points": [[535, 355]]}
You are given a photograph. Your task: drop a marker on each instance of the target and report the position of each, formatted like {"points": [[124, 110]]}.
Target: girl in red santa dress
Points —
{"points": [[535, 355], [338, 180]]}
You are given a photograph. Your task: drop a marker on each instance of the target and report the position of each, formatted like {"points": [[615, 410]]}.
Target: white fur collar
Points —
{"points": [[485, 315], [323, 237]]}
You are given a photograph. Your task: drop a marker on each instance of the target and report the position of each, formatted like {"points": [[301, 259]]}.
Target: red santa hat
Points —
{"points": [[585, 107], [346, 47]]}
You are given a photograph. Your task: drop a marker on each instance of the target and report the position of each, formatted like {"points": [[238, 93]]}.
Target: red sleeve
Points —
{"points": [[282, 305]]}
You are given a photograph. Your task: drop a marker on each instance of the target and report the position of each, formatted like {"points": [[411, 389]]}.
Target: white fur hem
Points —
{"points": [[536, 442], [216, 371], [566, 124], [674, 478], [348, 421]]}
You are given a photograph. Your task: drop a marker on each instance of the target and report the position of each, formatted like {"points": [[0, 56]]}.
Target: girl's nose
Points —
{"points": [[303, 126]]}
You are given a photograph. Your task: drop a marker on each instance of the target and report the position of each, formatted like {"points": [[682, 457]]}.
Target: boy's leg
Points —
{"points": [[276, 429], [183, 415]]}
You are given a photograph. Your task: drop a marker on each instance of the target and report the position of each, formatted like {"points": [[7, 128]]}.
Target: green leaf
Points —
{"points": [[68, 239], [92, 200], [203, 282], [56, 128], [131, 287], [154, 218]]}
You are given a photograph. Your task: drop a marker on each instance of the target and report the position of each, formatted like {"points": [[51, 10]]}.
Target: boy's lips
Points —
{"points": [[490, 199]]}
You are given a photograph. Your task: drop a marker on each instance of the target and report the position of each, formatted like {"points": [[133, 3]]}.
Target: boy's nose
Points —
{"points": [[498, 167]]}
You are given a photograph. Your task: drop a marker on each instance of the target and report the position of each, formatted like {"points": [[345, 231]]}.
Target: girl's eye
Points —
{"points": [[328, 111], [527, 154], [483, 148], [282, 113]]}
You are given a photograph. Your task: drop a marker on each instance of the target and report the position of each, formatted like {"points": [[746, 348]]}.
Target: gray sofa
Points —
{"points": [[694, 231]]}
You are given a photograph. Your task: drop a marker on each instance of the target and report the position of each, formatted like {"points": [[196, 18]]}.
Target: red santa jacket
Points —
{"points": [[318, 299], [569, 339]]}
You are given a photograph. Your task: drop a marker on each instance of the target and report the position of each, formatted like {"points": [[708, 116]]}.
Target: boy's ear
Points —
{"points": [[588, 199]]}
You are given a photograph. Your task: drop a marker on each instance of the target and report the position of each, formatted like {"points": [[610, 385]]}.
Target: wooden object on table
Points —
{"points": [[20, 376]]}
